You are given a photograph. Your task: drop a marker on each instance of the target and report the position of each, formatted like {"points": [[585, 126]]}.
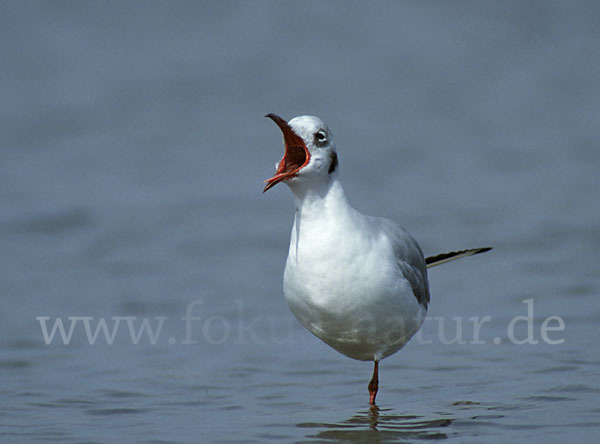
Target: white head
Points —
{"points": [[309, 152]]}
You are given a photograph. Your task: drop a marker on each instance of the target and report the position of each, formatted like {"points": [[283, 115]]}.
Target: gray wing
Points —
{"points": [[409, 258]]}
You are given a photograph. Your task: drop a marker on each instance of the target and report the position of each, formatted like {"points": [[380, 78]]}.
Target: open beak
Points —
{"points": [[295, 157]]}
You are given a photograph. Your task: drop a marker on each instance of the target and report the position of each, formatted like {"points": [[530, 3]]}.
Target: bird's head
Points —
{"points": [[309, 152]]}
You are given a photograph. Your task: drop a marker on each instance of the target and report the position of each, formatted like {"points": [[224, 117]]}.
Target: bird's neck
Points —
{"points": [[322, 200]]}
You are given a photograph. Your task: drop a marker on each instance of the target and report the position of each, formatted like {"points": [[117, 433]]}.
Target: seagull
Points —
{"points": [[357, 282]]}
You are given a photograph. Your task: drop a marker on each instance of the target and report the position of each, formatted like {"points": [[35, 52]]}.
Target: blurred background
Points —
{"points": [[133, 149]]}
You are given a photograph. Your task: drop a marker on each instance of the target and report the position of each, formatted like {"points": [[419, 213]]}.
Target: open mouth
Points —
{"points": [[295, 157]]}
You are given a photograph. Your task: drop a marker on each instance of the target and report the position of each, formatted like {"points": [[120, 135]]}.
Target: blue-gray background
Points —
{"points": [[133, 148]]}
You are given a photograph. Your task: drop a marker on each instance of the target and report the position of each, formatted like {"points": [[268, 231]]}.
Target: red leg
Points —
{"points": [[374, 384]]}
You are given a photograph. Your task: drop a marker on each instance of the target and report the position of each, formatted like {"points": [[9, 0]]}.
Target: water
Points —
{"points": [[133, 150]]}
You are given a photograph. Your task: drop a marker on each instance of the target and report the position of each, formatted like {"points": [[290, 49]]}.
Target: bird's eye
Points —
{"points": [[320, 137]]}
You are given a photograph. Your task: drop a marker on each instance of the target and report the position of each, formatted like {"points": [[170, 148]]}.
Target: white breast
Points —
{"points": [[343, 284]]}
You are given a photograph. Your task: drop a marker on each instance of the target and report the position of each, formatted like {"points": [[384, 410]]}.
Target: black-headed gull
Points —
{"points": [[357, 282]]}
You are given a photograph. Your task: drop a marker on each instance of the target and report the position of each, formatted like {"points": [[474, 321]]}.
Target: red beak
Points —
{"points": [[295, 157]]}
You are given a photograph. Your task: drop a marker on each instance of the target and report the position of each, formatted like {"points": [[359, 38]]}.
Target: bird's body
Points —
{"points": [[357, 282], [344, 276]]}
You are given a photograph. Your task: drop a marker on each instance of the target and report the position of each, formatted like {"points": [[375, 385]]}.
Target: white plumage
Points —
{"points": [[357, 282]]}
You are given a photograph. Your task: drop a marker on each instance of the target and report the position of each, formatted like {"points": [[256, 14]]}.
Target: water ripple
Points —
{"points": [[377, 424]]}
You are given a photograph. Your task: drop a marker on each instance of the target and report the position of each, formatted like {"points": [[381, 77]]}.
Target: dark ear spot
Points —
{"points": [[334, 162]]}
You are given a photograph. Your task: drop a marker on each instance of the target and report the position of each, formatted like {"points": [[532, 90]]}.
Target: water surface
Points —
{"points": [[133, 152]]}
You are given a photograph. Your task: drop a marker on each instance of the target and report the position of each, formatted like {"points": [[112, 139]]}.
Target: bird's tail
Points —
{"points": [[440, 259]]}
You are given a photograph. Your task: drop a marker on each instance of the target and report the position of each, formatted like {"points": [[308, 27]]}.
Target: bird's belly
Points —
{"points": [[363, 312]]}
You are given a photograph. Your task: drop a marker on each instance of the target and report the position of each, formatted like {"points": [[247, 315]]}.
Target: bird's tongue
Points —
{"points": [[295, 157]]}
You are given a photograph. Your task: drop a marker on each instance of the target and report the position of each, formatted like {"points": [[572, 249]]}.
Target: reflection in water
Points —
{"points": [[376, 425]]}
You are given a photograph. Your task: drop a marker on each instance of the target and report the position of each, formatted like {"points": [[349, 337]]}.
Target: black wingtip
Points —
{"points": [[445, 257]]}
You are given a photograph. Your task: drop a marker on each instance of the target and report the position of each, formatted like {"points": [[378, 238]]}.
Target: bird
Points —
{"points": [[357, 282]]}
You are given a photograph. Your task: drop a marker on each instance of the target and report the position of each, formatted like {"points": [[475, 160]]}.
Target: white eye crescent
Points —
{"points": [[320, 138]]}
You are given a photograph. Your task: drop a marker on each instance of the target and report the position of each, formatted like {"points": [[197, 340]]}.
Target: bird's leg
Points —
{"points": [[374, 384]]}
